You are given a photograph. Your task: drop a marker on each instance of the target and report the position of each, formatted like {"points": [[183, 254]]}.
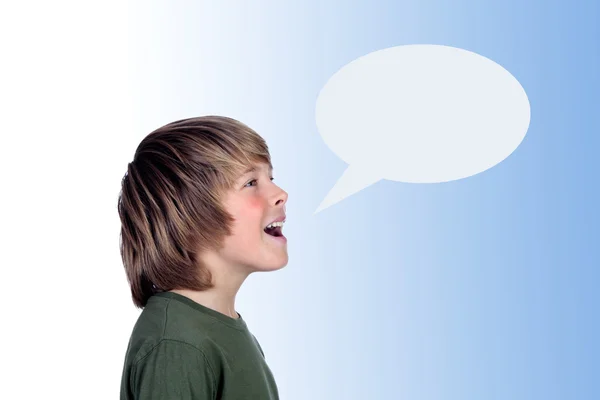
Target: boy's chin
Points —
{"points": [[272, 265]]}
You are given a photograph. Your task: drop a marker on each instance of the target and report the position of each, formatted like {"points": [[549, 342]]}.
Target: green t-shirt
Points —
{"points": [[180, 349]]}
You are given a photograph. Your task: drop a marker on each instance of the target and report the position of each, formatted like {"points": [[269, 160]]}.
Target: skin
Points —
{"points": [[254, 202]]}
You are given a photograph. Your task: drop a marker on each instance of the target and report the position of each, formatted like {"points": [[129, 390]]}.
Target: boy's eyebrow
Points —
{"points": [[254, 169]]}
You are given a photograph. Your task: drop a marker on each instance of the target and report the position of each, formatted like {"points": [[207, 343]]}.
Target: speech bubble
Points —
{"points": [[419, 114]]}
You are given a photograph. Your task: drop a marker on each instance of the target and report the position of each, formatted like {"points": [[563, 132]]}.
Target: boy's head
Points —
{"points": [[199, 191]]}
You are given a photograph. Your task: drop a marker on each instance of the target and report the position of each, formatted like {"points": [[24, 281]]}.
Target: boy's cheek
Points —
{"points": [[250, 212], [255, 205]]}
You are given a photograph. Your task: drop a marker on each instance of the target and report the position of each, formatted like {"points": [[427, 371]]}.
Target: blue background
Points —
{"points": [[482, 288]]}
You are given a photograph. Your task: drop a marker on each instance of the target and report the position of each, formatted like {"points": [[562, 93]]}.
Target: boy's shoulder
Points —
{"points": [[169, 331], [166, 320]]}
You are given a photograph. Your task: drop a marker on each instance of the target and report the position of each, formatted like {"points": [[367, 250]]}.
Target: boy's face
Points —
{"points": [[254, 202]]}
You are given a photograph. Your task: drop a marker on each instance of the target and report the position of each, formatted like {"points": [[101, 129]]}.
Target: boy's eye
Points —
{"points": [[254, 180]]}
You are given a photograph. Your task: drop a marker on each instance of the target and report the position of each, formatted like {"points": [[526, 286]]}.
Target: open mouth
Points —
{"points": [[275, 228], [274, 231]]}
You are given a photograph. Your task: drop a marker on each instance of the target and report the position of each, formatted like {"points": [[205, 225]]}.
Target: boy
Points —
{"points": [[199, 213]]}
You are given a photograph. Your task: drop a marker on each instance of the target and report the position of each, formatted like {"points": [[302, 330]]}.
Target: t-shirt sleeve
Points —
{"points": [[173, 370]]}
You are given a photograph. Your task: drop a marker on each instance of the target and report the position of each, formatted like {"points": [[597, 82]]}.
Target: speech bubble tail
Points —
{"points": [[354, 179]]}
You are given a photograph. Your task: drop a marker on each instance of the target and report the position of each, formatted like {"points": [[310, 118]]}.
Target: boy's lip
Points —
{"points": [[278, 219]]}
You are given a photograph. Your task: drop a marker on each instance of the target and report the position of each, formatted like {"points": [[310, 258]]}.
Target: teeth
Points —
{"points": [[274, 224]]}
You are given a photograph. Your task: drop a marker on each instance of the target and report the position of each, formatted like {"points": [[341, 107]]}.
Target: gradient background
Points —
{"points": [[482, 288]]}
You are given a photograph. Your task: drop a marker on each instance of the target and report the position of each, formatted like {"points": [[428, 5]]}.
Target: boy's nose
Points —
{"points": [[281, 198]]}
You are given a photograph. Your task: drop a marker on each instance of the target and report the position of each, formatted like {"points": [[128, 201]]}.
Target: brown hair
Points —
{"points": [[170, 201]]}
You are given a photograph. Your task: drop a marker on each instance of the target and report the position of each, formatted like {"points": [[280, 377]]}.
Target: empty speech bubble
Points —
{"points": [[419, 114]]}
